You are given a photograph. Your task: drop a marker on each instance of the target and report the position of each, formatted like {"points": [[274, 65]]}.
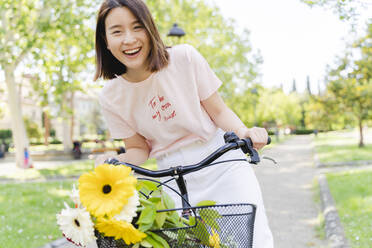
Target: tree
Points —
{"points": [[351, 82], [26, 27], [308, 86], [294, 87], [274, 106], [65, 54], [230, 54], [345, 9], [322, 113], [23, 26], [32, 128]]}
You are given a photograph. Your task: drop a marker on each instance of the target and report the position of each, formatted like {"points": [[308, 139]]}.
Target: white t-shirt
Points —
{"points": [[165, 108]]}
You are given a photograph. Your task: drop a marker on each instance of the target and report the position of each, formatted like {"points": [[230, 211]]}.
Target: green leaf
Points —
{"points": [[152, 242], [200, 230], [206, 203], [181, 236], [146, 219], [155, 200], [151, 186], [168, 201], [173, 217], [159, 239], [160, 217], [209, 216], [146, 244]]}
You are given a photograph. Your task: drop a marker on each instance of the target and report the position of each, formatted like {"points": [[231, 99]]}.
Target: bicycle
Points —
{"points": [[234, 223]]}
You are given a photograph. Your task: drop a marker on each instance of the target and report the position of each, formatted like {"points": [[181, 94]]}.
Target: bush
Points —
{"points": [[55, 141], [303, 131], [52, 133], [36, 143], [5, 134]]}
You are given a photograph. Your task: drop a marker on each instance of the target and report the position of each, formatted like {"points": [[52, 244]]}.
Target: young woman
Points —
{"points": [[163, 102]]}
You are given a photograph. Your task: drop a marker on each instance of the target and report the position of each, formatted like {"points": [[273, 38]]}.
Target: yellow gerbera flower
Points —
{"points": [[120, 230], [214, 240], [107, 189]]}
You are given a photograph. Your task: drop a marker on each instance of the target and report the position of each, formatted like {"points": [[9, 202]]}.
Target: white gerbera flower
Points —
{"points": [[76, 225], [75, 196], [129, 211]]}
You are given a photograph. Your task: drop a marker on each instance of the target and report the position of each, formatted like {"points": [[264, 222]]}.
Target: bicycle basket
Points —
{"points": [[228, 225]]}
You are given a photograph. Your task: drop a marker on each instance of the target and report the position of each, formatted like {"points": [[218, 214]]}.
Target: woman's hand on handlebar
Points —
{"points": [[258, 135]]}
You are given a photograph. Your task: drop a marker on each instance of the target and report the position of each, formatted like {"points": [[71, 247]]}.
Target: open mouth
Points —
{"points": [[132, 52]]}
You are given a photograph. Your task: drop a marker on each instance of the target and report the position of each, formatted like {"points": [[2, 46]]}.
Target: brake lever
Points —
{"points": [[271, 159], [248, 148], [231, 137]]}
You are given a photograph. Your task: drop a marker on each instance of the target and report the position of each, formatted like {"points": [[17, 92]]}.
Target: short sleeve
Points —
{"points": [[206, 80], [118, 127]]}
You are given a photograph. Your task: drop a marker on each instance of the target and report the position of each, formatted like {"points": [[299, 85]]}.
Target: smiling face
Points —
{"points": [[127, 39]]}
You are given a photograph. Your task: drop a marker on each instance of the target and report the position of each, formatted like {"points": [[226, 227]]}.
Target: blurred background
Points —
{"points": [[293, 67]]}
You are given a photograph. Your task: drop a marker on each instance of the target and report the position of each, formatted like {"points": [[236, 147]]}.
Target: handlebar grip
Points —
{"points": [[269, 140]]}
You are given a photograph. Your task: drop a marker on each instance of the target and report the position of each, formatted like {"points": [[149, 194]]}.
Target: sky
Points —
{"points": [[294, 40]]}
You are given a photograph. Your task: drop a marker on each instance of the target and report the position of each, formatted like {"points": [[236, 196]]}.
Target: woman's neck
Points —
{"points": [[135, 76]]}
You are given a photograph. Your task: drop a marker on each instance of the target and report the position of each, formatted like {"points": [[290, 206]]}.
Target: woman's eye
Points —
{"points": [[138, 27], [116, 32]]}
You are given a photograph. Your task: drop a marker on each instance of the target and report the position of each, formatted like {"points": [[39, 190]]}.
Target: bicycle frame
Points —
{"points": [[232, 143]]}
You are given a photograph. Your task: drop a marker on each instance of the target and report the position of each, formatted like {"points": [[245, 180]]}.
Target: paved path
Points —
{"points": [[288, 194]]}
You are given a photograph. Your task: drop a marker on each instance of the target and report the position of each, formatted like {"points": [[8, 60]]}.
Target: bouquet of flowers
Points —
{"points": [[111, 202]]}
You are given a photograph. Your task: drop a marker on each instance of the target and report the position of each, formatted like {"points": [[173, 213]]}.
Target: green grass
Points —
{"points": [[352, 192], [341, 146], [320, 223], [28, 213]]}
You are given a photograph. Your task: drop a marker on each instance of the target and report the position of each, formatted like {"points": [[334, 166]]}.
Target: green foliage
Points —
{"points": [[303, 131], [350, 84], [229, 53], [345, 9], [322, 112], [5, 134], [64, 54], [267, 106], [32, 128], [347, 101]]}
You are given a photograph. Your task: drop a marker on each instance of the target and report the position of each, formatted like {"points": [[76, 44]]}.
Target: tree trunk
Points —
{"points": [[361, 142], [67, 142], [20, 139], [47, 128], [72, 116]]}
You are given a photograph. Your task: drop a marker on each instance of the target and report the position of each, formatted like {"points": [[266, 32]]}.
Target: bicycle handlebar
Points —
{"points": [[232, 143]]}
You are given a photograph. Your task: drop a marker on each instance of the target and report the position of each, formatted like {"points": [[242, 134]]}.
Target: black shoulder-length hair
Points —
{"points": [[107, 66]]}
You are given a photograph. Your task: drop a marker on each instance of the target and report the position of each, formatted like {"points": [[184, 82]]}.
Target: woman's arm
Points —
{"points": [[137, 151], [227, 120]]}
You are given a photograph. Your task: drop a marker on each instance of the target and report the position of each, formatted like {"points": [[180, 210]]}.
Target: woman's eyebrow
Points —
{"points": [[136, 22], [114, 26], [119, 26]]}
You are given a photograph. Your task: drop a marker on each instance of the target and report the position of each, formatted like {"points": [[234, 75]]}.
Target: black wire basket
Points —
{"points": [[233, 224]]}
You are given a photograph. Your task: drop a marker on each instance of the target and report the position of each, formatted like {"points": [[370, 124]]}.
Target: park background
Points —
{"points": [[48, 99]]}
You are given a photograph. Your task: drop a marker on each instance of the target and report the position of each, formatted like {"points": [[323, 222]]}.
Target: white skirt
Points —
{"points": [[231, 182]]}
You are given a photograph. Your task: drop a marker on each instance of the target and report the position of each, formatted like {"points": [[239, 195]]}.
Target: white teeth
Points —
{"points": [[130, 52]]}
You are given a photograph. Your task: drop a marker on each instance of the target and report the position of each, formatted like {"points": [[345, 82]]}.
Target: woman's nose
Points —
{"points": [[128, 38]]}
